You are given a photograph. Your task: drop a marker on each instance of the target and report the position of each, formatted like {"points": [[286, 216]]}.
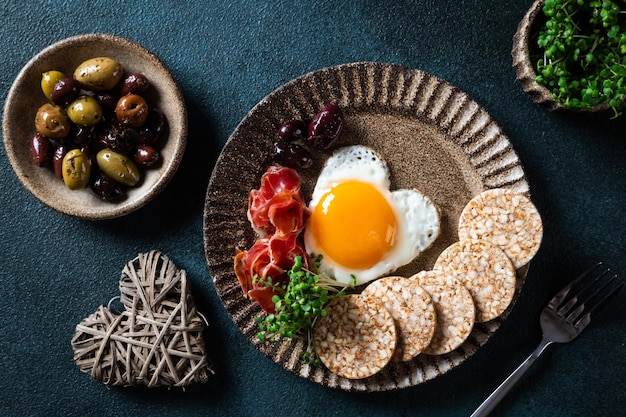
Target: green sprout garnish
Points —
{"points": [[583, 48], [298, 304]]}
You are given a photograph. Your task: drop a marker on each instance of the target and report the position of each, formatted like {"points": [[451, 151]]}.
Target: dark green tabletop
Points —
{"points": [[227, 56]]}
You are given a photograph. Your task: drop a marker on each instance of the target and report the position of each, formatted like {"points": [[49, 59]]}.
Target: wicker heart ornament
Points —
{"points": [[156, 340]]}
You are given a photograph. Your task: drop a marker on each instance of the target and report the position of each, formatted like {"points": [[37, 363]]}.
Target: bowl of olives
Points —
{"points": [[95, 126]]}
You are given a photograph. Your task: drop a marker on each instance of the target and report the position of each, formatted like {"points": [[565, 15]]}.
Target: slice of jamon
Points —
{"points": [[269, 258], [277, 179], [277, 206], [286, 213]]}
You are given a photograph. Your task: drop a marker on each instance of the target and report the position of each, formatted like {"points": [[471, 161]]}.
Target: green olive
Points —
{"points": [[76, 169], [52, 122], [84, 111], [48, 80], [99, 74], [118, 166]]}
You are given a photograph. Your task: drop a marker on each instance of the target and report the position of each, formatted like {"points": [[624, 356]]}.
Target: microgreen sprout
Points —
{"points": [[298, 304], [583, 53]]}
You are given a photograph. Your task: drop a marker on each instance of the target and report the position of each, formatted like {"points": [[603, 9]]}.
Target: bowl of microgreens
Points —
{"points": [[571, 54]]}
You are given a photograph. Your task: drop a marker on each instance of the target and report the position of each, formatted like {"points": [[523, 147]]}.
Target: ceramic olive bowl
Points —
{"points": [[25, 97]]}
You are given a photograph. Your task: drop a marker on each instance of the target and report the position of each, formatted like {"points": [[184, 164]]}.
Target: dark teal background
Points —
{"points": [[55, 270]]}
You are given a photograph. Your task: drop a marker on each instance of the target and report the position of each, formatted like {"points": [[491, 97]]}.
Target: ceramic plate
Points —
{"points": [[434, 137]]}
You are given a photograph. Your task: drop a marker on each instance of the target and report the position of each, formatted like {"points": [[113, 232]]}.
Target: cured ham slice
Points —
{"points": [[277, 206], [262, 269], [278, 214]]}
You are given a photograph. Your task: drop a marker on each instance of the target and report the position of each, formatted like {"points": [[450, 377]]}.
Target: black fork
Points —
{"points": [[562, 320]]}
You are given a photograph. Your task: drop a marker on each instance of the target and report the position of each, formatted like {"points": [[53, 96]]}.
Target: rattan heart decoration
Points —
{"points": [[156, 340]]}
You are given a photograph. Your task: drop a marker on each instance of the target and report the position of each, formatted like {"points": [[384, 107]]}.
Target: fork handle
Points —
{"points": [[494, 399]]}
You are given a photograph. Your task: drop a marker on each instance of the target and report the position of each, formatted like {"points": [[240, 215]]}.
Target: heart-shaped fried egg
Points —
{"points": [[358, 225]]}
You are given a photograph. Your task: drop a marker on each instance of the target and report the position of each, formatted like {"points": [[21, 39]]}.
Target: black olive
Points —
{"points": [[106, 188], [293, 130], [65, 91], [292, 155], [325, 128]]}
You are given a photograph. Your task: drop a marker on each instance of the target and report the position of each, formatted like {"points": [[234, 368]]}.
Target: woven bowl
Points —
{"points": [[25, 97], [524, 42]]}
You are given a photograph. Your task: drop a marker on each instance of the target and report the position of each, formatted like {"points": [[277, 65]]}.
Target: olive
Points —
{"points": [[76, 169], [52, 122], [48, 80], [146, 155], [99, 74], [65, 91], [41, 149], [106, 188], [118, 166], [97, 129], [89, 153], [153, 128], [132, 110], [293, 130], [107, 100], [82, 135], [120, 138], [325, 127], [85, 111], [57, 160], [292, 155], [134, 83]]}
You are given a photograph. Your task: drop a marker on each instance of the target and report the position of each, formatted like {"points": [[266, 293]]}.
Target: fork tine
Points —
{"points": [[564, 311], [575, 298], [602, 301], [586, 299], [557, 300]]}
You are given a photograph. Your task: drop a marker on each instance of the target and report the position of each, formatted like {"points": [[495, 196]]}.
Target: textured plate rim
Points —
{"points": [[421, 95]]}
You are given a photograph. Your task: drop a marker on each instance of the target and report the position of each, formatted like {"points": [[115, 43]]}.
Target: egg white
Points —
{"points": [[417, 217]]}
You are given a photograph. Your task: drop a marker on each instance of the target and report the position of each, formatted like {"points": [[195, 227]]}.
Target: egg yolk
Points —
{"points": [[354, 225]]}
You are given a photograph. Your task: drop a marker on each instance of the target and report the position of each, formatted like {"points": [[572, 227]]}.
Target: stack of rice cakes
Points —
{"points": [[433, 312]]}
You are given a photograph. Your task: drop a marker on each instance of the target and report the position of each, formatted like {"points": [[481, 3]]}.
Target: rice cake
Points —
{"points": [[357, 337], [412, 310], [454, 308], [505, 219], [485, 270]]}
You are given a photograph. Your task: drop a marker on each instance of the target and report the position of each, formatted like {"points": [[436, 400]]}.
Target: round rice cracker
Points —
{"points": [[485, 271], [505, 219], [412, 310], [357, 338], [454, 308]]}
